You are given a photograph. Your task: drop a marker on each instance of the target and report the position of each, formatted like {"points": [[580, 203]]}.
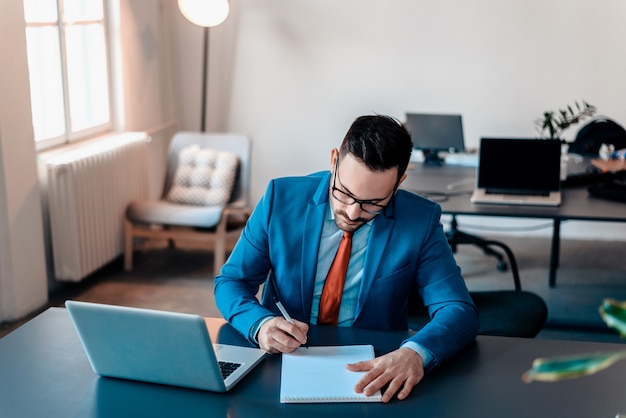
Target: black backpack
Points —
{"points": [[597, 132]]}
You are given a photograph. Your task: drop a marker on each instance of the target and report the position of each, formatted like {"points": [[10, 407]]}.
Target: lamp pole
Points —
{"points": [[204, 13], [205, 79]]}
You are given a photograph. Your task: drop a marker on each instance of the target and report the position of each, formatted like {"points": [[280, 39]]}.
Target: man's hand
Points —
{"points": [[279, 336], [401, 369]]}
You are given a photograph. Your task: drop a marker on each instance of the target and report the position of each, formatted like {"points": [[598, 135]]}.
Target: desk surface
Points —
{"points": [[576, 204], [45, 373]]}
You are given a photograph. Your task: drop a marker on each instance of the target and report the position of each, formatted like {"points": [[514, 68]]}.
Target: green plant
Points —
{"points": [[553, 123], [553, 369]]}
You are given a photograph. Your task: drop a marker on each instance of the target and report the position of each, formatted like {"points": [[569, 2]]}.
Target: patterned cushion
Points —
{"points": [[204, 177]]}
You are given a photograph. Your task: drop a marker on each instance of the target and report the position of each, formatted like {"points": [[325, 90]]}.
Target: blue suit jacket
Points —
{"points": [[407, 249]]}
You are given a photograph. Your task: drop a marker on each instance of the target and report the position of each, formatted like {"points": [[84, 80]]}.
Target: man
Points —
{"points": [[397, 244]]}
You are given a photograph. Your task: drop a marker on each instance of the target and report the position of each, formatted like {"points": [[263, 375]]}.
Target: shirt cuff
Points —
{"points": [[254, 331], [427, 356]]}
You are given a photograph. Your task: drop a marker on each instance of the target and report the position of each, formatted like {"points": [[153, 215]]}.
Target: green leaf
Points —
{"points": [[552, 369], [613, 313], [554, 123]]}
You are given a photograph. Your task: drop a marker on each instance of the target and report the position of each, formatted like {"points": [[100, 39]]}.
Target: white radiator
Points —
{"points": [[88, 191]]}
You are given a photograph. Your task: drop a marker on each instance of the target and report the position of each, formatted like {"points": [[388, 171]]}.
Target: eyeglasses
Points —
{"points": [[368, 206]]}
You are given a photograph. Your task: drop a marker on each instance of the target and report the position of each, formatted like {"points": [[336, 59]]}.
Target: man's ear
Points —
{"points": [[334, 154], [401, 180]]}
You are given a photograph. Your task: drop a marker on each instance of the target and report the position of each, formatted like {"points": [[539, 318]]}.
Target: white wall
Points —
{"points": [[22, 263], [294, 74], [148, 74]]}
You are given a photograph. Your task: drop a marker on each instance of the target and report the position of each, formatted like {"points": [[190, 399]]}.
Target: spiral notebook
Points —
{"points": [[319, 374]]}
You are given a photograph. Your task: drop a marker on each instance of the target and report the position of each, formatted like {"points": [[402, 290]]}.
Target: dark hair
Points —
{"points": [[381, 142]]}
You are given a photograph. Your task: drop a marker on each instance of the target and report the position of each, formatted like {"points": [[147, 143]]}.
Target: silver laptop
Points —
{"points": [[158, 347], [514, 171]]}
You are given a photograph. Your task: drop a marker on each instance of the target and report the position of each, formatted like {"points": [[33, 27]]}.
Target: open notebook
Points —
{"points": [[158, 347], [515, 171], [319, 374]]}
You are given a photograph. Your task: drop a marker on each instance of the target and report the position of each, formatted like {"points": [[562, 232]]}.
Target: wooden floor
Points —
{"points": [[182, 281]]}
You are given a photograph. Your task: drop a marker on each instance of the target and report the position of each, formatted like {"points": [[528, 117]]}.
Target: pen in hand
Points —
{"points": [[283, 311], [285, 314]]}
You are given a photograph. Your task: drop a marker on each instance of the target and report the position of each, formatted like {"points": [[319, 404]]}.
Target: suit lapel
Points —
{"points": [[314, 221], [378, 241]]}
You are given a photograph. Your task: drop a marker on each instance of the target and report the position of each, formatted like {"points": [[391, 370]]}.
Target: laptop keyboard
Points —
{"points": [[228, 367]]}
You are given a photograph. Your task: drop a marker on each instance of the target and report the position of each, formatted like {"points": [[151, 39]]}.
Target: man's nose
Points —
{"points": [[354, 211]]}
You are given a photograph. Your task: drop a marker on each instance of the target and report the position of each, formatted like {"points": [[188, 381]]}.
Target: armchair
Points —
{"points": [[197, 204]]}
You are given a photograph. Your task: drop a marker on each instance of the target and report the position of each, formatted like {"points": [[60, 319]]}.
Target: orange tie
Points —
{"points": [[333, 286]]}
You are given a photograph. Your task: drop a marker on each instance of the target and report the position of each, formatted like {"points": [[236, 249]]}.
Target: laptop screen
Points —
{"points": [[510, 164]]}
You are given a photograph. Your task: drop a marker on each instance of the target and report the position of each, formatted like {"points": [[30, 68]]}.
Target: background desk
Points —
{"points": [[45, 373], [576, 204]]}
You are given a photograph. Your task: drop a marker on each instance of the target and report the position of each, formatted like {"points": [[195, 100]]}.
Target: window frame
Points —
{"points": [[70, 136]]}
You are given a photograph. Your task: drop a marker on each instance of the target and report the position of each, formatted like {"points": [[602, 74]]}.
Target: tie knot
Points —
{"points": [[347, 234]]}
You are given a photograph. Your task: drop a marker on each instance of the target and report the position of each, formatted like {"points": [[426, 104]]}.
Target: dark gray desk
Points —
{"points": [[576, 205], [44, 373]]}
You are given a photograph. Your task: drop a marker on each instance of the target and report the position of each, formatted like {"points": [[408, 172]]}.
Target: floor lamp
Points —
{"points": [[205, 13]]}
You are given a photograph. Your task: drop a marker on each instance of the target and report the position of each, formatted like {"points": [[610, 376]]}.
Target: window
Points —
{"points": [[68, 69]]}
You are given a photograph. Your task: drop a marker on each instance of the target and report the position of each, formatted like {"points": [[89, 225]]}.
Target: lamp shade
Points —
{"points": [[205, 13]]}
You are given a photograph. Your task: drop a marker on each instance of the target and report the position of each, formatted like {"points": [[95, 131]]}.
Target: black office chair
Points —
{"points": [[457, 237], [509, 313]]}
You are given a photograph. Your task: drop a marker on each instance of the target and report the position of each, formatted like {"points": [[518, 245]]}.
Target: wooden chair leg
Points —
{"points": [[219, 254], [219, 250], [128, 245]]}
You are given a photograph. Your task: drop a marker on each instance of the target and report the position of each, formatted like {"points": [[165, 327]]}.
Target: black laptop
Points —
{"points": [[518, 171]]}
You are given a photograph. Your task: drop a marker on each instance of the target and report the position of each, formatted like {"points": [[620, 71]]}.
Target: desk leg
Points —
{"points": [[554, 252]]}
